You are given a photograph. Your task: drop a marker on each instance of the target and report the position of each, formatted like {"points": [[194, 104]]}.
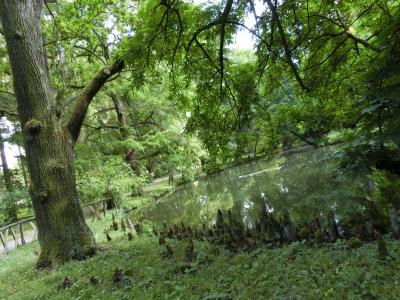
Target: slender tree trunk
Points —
{"points": [[12, 208], [22, 164], [6, 170], [130, 154], [63, 233]]}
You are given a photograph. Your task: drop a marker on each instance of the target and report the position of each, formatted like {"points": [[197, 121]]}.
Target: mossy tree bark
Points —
{"points": [[62, 231]]}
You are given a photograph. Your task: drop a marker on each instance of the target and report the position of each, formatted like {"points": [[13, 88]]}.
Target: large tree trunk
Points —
{"points": [[63, 233]]}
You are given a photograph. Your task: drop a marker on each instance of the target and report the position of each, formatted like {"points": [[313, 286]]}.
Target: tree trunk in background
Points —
{"points": [[130, 154], [11, 207], [286, 142], [6, 170], [63, 233], [22, 164]]}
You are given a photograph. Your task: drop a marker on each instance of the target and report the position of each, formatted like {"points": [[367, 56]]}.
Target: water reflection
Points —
{"points": [[307, 185]]}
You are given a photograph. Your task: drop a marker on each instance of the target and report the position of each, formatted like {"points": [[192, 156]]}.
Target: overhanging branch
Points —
{"points": [[85, 97]]}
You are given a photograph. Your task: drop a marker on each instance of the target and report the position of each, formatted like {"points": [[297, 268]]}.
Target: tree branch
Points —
{"points": [[8, 93], [285, 45], [224, 18], [8, 113], [101, 111], [362, 42], [85, 97], [304, 139], [90, 52], [220, 21], [101, 127], [120, 110], [347, 32]]}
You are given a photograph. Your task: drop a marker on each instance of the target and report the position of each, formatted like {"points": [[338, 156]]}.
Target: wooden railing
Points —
{"points": [[18, 235], [16, 228]]}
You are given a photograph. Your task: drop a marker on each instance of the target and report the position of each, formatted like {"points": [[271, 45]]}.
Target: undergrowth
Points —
{"points": [[295, 271]]}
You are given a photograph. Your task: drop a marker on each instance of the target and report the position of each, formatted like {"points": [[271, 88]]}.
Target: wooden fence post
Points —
{"points": [[34, 230], [93, 209], [4, 241], [21, 232], [14, 237]]}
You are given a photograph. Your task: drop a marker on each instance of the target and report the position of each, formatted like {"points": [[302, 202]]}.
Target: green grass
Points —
{"points": [[25, 212], [296, 271], [157, 189]]}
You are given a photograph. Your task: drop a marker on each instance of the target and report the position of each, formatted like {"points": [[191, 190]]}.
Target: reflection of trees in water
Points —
{"points": [[305, 184], [313, 187], [184, 205]]}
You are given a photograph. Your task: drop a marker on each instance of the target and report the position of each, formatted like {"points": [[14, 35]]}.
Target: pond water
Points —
{"points": [[306, 184]]}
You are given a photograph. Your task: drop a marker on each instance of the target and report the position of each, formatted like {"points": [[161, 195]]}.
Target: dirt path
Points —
{"points": [[29, 237]]}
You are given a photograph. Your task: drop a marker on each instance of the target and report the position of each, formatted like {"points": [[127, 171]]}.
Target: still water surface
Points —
{"points": [[306, 184]]}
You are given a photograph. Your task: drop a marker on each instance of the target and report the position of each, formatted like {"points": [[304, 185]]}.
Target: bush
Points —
{"points": [[111, 179], [10, 202]]}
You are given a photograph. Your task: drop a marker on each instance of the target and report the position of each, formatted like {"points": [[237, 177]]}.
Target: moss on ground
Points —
{"points": [[296, 271]]}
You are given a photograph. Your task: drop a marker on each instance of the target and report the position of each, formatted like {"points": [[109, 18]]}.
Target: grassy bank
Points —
{"points": [[297, 271]]}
